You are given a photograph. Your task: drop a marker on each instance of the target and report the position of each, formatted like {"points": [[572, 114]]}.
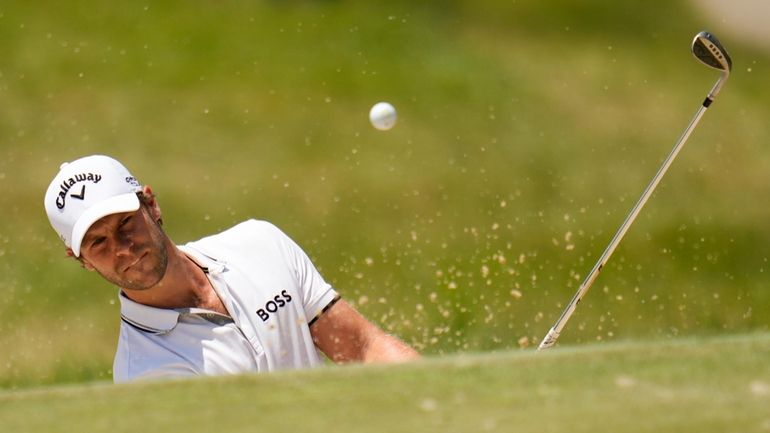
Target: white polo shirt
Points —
{"points": [[272, 292]]}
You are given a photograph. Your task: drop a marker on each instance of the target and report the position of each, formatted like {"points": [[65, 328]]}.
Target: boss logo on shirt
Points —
{"points": [[272, 306]]}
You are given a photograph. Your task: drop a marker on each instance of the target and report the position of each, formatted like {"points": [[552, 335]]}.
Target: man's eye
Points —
{"points": [[125, 220], [97, 241]]}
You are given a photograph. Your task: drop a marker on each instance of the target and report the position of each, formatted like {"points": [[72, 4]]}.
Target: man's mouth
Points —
{"points": [[132, 264]]}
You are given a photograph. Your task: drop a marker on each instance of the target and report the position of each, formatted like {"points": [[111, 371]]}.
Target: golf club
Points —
{"points": [[707, 49]]}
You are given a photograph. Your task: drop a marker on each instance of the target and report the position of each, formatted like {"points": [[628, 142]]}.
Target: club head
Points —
{"points": [[707, 48]]}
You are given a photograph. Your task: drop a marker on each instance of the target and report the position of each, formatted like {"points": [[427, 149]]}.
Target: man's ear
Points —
{"points": [[151, 202], [83, 262]]}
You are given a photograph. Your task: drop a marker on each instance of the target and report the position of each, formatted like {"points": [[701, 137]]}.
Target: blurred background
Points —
{"points": [[527, 130]]}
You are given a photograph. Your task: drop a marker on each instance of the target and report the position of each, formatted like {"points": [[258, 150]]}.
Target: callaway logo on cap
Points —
{"points": [[86, 190]]}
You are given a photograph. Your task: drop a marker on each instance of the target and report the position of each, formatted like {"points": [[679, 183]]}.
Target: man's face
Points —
{"points": [[127, 249]]}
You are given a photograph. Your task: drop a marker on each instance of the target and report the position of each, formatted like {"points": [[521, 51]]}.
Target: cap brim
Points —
{"points": [[120, 203]]}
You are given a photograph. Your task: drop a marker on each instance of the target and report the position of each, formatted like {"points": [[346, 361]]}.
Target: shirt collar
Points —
{"points": [[146, 318], [209, 264], [160, 320]]}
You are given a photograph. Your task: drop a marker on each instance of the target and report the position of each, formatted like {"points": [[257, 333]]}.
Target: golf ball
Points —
{"points": [[383, 116]]}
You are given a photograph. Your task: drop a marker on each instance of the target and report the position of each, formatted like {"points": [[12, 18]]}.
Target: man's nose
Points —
{"points": [[123, 244]]}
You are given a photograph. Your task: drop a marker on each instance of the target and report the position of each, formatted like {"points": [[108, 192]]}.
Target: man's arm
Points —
{"points": [[344, 335]]}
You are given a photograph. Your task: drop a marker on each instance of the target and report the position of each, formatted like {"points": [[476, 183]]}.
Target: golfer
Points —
{"points": [[244, 300]]}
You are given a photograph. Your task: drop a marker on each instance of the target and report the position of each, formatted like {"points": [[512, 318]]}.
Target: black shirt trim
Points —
{"points": [[325, 309]]}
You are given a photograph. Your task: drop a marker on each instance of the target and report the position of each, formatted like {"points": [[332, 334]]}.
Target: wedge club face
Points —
{"points": [[707, 48]]}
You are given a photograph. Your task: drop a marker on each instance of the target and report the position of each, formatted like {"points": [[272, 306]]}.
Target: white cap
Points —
{"points": [[86, 190]]}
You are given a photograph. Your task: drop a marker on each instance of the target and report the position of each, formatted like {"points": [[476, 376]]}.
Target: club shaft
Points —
{"points": [[553, 334]]}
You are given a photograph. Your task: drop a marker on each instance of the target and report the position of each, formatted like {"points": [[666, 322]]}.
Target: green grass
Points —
{"points": [[526, 132], [705, 385]]}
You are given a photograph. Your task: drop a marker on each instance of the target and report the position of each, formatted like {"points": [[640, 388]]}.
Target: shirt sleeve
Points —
{"points": [[316, 293]]}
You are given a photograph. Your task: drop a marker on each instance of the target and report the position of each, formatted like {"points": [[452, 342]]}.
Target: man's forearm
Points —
{"points": [[344, 335], [382, 347]]}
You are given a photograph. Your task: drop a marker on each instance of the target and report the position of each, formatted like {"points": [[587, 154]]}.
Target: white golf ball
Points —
{"points": [[383, 116]]}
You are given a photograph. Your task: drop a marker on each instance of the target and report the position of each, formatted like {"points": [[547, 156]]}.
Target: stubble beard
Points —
{"points": [[150, 278]]}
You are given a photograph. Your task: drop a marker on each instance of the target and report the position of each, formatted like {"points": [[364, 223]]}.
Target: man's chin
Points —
{"points": [[135, 285], [144, 274], [145, 281]]}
